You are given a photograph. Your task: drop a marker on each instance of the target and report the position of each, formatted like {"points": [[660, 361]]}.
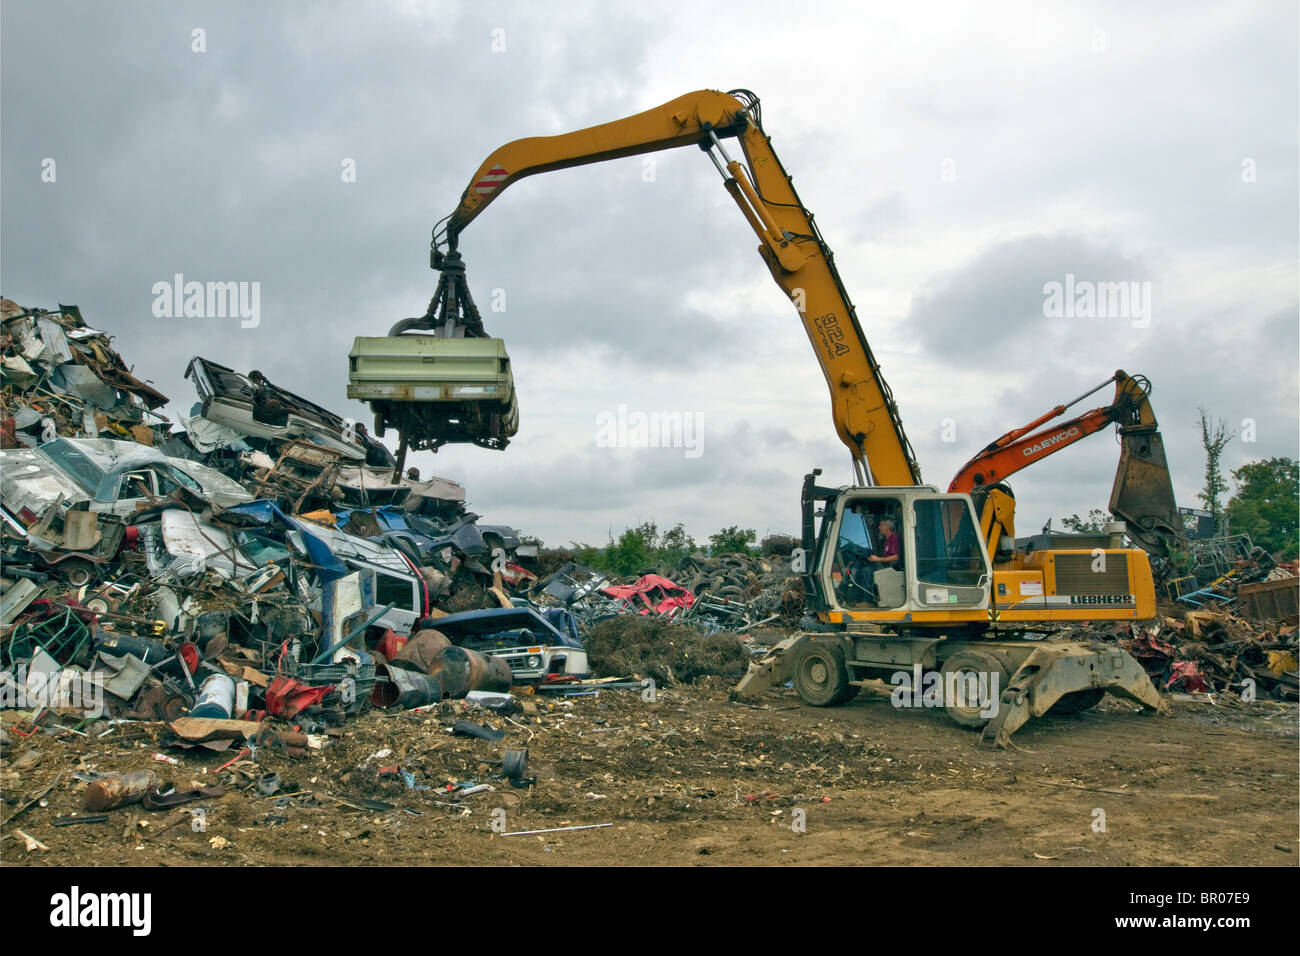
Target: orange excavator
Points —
{"points": [[1142, 495]]}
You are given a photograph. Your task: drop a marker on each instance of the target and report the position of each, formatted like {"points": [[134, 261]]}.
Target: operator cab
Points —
{"points": [[900, 550], [867, 567]]}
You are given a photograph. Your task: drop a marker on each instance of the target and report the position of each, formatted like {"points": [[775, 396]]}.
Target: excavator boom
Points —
{"points": [[865, 414]]}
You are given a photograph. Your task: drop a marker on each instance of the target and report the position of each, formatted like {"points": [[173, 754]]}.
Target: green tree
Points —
{"points": [[1214, 437], [587, 554], [733, 540], [1096, 521], [674, 545], [633, 552], [640, 548], [1267, 504]]}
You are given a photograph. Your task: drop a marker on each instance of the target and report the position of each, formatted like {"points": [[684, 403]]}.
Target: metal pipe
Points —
{"points": [[722, 171], [718, 143], [1091, 391], [590, 826]]}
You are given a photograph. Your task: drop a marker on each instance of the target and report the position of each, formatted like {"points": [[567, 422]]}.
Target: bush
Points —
{"points": [[642, 646], [732, 540], [778, 544], [639, 549]]}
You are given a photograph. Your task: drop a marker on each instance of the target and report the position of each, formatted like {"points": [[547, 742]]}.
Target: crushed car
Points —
{"points": [[118, 477], [538, 645]]}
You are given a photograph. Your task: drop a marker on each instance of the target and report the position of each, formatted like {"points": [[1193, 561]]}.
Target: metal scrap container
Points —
{"points": [[1270, 600]]}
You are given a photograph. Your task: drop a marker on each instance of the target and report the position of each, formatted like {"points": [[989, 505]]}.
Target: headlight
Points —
{"points": [[534, 661]]}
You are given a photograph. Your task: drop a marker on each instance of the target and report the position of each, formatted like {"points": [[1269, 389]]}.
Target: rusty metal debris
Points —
{"points": [[253, 569], [1218, 652], [59, 376]]}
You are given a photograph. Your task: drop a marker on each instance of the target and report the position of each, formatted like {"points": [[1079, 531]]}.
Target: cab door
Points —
{"points": [[949, 566]]}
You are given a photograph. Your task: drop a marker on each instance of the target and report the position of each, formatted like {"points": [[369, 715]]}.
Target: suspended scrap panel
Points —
{"points": [[436, 390]]}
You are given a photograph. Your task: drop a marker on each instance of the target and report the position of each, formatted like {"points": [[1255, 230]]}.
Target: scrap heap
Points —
{"points": [[61, 377], [261, 559], [723, 593], [1233, 652]]}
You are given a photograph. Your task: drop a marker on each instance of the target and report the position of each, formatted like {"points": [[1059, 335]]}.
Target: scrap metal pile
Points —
{"points": [[262, 560], [727, 593], [1217, 652], [60, 377], [1235, 625], [1213, 655], [1232, 572]]}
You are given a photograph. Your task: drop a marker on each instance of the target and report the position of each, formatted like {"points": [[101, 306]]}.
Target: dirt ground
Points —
{"points": [[692, 778]]}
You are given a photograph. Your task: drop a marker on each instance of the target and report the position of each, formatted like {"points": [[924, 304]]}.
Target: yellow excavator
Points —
{"points": [[906, 583]]}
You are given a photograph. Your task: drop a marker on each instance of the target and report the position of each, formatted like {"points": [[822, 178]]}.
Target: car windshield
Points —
{"points": [[75, 464], [185, 479]]}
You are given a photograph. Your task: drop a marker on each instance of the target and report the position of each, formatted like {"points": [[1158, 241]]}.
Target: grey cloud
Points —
{"points": [[226, 166], [993, 306]]}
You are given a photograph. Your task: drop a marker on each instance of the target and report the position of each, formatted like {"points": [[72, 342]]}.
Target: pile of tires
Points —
{"points": [[732, 576]]}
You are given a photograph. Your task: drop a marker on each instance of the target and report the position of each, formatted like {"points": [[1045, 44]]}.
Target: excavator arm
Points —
{"points": [[1142, 495], [865, 415], [1021, 447]]}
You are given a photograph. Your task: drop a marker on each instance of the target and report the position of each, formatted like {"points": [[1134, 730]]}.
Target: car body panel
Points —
{"points": [[113, 476], [532, 646]]}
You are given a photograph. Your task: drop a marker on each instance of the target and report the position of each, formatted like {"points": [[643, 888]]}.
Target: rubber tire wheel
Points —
{"points": [[1078, 702], [820, 675], [977, 661], [77, 572]]}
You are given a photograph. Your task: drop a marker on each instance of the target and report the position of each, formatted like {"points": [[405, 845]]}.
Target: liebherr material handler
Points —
{"points": [[948, 596]]}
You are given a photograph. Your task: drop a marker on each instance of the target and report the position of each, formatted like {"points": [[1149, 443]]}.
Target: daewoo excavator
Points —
{"points": [[897, 573], [1142, 495]]}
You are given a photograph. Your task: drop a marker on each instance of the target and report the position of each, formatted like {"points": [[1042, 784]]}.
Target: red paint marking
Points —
{"points": [[491, 180]]}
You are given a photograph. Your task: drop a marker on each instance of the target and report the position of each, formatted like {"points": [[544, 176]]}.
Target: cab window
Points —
{"points": [[137, 484], [868, 565], [948, 548]]}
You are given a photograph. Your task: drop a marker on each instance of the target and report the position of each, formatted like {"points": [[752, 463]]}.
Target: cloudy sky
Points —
{"points": [[959, 158]]}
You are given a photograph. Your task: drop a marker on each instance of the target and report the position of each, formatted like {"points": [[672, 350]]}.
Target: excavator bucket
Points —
{"points": [[1143, 493]]}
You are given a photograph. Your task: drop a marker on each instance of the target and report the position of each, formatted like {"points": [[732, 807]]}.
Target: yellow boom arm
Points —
{"points": [[865, 414]]}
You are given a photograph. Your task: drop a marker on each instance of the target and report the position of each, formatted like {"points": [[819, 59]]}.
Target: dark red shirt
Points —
{"points": [[889, 547]]}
